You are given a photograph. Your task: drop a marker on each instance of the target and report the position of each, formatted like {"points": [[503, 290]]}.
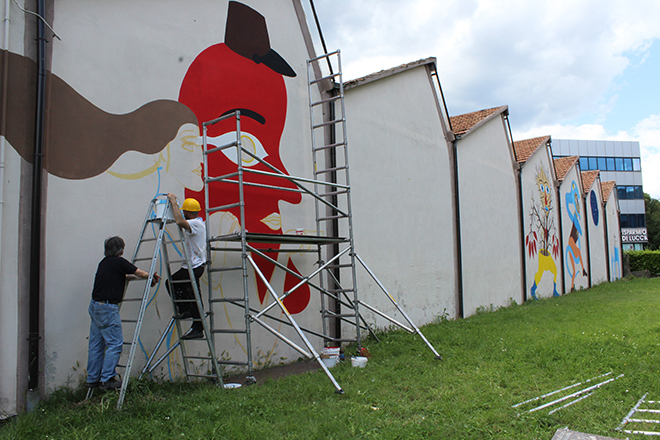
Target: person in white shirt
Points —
{"points": [[194, 230]]}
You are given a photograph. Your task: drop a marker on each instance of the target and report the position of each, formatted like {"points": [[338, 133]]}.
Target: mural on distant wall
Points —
{"points": [[542, 233], [593, 201], [615, 259], [243, 73], [573, 250]]}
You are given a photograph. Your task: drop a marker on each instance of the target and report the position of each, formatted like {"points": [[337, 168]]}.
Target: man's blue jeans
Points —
{"points": [[105, 342]]}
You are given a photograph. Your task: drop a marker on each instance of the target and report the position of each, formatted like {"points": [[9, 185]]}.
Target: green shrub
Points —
{"points": [[645, 260]]}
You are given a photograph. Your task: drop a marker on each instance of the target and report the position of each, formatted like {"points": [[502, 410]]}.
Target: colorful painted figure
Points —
{"points": [[573, 250], [542, 227], [616, 263], [244, 73]]}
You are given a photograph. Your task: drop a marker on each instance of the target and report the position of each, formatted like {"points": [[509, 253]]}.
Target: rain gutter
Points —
{"points": [[35, 221]]}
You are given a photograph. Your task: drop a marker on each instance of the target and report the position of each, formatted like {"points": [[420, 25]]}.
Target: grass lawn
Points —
{"points": [[491, 361]]}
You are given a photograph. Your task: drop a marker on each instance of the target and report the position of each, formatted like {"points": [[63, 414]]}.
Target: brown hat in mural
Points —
{"points": [[246, 34]]}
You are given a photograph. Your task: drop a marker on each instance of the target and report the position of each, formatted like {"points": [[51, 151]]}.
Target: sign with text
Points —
{"points": [[636, 235]]}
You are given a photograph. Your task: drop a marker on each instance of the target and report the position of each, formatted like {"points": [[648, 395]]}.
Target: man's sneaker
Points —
{"points": [[193, 334], [92, 384], [112, 384]]}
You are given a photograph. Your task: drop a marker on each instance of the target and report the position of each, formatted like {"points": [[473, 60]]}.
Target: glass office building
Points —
{"points": [[619, 161]]}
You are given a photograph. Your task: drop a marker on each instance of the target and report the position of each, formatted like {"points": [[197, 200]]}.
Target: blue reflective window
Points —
{"points": [[627, 164], [593, 163], [621, 190], [619, 163], [602, 164], [639, 194], [632, 221], [610, 164], [623, 219], [637, 164], [630, 190], [584, 163]]}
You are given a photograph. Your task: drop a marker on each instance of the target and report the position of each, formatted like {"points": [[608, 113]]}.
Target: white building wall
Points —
{"points": [[541, 217], [596, 224], [490, 232], [401, 195], [120, 59], [576, 252]]}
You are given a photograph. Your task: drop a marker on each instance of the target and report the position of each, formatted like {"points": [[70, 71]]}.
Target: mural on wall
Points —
{"points": [[593, 201], [244, 73], [542, 232], [161, 139], [615, 261], [574, 249]]}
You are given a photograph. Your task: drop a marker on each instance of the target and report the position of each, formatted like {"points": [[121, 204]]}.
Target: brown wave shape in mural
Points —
{"points": [[82, 141]]}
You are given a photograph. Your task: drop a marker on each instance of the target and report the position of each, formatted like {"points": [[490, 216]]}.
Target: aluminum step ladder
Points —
{"points": [[156, 242]]}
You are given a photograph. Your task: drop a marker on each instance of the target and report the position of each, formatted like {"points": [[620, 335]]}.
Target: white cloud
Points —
{"points": [[550, 61]]}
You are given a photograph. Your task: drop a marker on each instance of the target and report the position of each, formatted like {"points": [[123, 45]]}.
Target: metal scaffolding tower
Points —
{"points": [[334, 277]]}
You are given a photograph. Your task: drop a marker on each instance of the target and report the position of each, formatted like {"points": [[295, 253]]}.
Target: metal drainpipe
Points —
{"points": [[561, 238], [586, 236], [35, 229], [521, 215], [522, 234], [457, 219], [3, 122]]}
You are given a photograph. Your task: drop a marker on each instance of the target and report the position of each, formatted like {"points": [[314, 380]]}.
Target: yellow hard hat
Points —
{"points": [[191, 205]]}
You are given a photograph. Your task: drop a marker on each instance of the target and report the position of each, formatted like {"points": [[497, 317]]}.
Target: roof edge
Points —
{"points": [[388, 72]]}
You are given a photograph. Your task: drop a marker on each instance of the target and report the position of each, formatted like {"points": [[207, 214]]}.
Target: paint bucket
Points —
{"points": [[160, 208], [330, 361], [331, 351], [359, 361]]}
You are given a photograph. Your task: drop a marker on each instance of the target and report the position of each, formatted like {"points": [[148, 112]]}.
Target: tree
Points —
{"points": [[652, 221]]}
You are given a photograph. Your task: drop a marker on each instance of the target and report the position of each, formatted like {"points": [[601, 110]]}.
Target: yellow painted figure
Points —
{"points": [[542, 230]]}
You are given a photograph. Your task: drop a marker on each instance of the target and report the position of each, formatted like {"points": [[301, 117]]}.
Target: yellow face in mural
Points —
{"points": [[544, 190]]}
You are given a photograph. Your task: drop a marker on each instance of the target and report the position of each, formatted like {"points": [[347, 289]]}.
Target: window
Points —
{"points": [[623, 219], [632, 220], [593, 163], [630, 192], [627, 164], [619, 163], [610, 164], [637, 164], [621, 192], [602, 164], [584, 163]]}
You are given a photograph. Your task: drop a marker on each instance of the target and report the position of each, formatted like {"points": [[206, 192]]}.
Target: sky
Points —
{"points": [[571, 69]]}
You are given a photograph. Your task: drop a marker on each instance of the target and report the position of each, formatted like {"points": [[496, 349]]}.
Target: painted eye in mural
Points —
{"points": [[541, 187], [250, 143], [547, 189], [190, 143]]}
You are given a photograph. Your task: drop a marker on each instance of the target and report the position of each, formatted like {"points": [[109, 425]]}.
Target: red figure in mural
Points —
{"points": [[245, 74]]}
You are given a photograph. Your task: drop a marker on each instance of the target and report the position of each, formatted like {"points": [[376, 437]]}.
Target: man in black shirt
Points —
{"points": [[105, 333]]}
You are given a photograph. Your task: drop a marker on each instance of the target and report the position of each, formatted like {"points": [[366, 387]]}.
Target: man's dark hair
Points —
{"points": [[114, 246]]}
